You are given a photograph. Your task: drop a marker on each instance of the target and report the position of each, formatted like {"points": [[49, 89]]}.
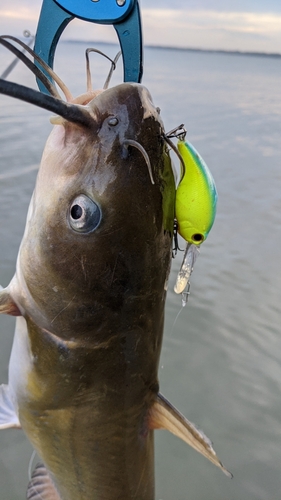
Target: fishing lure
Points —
{"points": [[196, 197], [196, 201]]}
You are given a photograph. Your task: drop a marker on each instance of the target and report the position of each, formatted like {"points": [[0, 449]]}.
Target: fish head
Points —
{"points": [[98, 232]]}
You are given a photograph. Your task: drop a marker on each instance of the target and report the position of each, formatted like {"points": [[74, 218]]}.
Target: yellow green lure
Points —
{"points": [[196, 201], [196, 196]]}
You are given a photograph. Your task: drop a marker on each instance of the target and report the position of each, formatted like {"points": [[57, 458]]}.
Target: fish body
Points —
{"points": [[196, 197], [91, 293]]}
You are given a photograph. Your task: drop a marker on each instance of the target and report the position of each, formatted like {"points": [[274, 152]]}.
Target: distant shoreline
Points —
{"points": [[189, 49]]}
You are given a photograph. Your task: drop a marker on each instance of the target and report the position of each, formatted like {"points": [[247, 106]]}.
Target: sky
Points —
{"points": [[244, 25]]}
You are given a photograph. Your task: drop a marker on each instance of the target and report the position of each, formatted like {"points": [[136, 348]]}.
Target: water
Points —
{"points": [[220, 361]]}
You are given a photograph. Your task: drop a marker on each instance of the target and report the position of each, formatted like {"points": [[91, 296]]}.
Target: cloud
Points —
{"points": [[19, 14], [25, 10], [23, 16], [273, 6], [213, 30], [181, 27], [240, 21]]}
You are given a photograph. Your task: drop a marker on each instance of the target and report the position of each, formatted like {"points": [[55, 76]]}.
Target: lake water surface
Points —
{"points": [[221, 357]]}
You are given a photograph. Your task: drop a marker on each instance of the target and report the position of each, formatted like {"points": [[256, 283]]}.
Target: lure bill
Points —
{"points": [[183, 279]]}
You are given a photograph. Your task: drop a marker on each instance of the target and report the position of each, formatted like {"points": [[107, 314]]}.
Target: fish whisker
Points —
{"points": [[71, 112], [37, 71], [47, 68], [137, 145], [88, 69], [113, 67]]}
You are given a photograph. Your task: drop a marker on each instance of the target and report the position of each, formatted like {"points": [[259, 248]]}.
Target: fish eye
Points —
{"points": [[197, 238], [113, 121], [84, 214]]}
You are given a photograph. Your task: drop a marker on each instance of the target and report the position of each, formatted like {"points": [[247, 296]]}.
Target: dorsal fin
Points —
{"points": [[7, 305], [41, 487], [163, 415]]}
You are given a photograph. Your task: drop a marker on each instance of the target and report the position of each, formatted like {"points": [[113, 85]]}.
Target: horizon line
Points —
{"points": [[189, 49]]}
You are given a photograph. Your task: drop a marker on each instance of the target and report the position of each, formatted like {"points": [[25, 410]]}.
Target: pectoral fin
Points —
{"points": [[7, 305], [8, 416], [41, 486], [163, 415]]}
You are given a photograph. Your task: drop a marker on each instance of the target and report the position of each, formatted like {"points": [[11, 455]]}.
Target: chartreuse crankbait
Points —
{"points": [[196, 196], [196, 200]]}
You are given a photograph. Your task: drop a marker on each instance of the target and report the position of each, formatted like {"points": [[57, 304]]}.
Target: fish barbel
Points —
{"points": [[89, 292]]}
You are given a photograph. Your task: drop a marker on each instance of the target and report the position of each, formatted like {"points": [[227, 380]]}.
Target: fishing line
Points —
{"points": [[184, 299], [176, 318], [30, 465]]}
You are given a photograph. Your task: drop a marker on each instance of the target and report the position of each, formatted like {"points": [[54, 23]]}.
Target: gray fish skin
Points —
{"points": [[83, 370]]}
